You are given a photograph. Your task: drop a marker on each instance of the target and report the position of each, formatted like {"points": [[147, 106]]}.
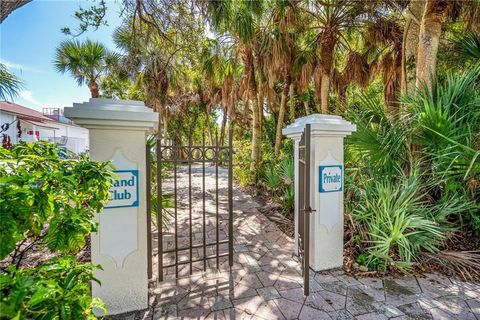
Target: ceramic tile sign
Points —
{"points": [[331, 178], [124, 192]]}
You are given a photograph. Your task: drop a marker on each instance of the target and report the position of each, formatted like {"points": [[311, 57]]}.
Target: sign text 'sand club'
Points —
{"points": [[124, 190]]}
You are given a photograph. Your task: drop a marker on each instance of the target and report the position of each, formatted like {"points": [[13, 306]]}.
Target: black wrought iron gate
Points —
{"points": [[172, 161], [304, 208]]}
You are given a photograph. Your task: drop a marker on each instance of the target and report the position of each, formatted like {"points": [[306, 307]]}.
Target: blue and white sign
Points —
{"points": [[331, 178], [124, 192]]}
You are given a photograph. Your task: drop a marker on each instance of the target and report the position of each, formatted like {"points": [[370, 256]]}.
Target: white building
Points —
{"points": [[18, 123]]}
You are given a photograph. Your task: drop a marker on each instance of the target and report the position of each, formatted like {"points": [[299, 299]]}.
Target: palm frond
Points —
{"points": [[10, 84]]}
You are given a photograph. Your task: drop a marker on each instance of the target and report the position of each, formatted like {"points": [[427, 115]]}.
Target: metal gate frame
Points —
{"points": [[203, 154], [304, 208]]}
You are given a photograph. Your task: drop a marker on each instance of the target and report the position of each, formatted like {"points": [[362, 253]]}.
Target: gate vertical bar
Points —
{"points": [[230, 198], [175, 157], [149, 210], [203, 202], [301, 190], [306, 221], [216, 157], [159, 210], [190, 197], [300, 207]]}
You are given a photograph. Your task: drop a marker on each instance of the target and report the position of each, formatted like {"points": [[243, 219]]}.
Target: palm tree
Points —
{"points": [[411, 30], [280, 52], [331, 20], [435, 14], [10, 84], [85, 61], [429, 40], [240, 19]]}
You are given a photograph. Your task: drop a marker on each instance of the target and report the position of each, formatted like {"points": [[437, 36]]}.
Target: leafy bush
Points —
{"points": [[288, 199], [272, 179], [48, 202], [57, 289], [378, 141], [398, 222], [241, 163], [445, 123], [435, 140], [287, 170]]}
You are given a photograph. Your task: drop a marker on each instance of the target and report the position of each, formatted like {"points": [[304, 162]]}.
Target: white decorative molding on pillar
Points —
{"points": [[326, 186], [118, 131]]}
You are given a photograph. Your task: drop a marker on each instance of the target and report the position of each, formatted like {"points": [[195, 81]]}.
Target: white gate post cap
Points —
{"points": [[321, 124], [105, 113]]}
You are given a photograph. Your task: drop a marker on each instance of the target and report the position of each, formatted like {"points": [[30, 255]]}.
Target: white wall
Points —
{"points": [[12, 131], [76, 141], [76, 137]]}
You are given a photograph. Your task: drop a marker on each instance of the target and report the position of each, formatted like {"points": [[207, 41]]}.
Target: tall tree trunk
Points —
{"points": [[324, 91], [281, 113], [165, 124], [246, 107], [224, 124], [327, 46], [209, 127], [94, 89], [260, 106], [255, 133], [428, 41], [253, 90], [410, 43], [291, 109], [161, 123]]}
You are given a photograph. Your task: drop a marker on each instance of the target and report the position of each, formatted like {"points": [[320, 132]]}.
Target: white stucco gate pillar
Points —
{"points": [[118, 131], [326, 186]]}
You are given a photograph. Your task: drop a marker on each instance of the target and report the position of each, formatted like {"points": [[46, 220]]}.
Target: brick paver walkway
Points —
{"points": [[265, 282]]}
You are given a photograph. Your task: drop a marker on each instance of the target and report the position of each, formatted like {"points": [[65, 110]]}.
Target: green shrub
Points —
{"points": [[241, 162], [56, 289], [445, 125], [398, 222], [272, 179], [287, 170], [288, 199], [48, 202], [435, 139]]}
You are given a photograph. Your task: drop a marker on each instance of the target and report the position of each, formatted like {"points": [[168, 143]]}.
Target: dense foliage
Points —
{"points": [[413, 180], [405, 72], [47, 203]]}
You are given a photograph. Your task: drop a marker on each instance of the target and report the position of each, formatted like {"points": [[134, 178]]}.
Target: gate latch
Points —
{"points": [[308, 210]]}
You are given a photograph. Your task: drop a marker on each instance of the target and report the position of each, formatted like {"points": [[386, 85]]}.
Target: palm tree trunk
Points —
{"points": [[246, 108], [224, 124], [209, 127], [292, 102], [165, 124], [255, 127], [156, 107], [327, 46], [410, 43], [324, 91], [260, 106], [428, 41], [94, 89], [281, 113]]}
